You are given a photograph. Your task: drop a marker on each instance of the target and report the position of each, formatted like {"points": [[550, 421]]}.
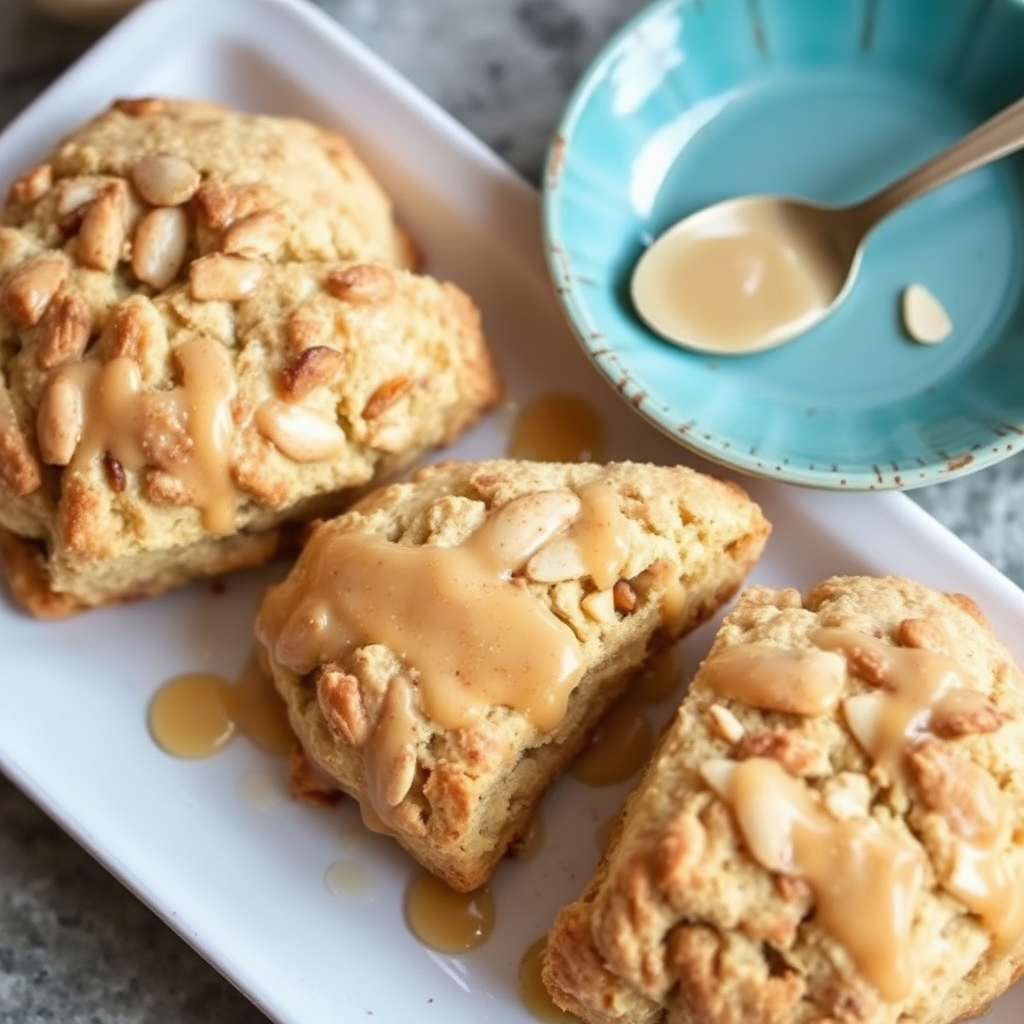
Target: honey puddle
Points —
{"points": [[197, 714], [445, 920], [350, 881], [659, 680], [532, 992], [557, 428]]}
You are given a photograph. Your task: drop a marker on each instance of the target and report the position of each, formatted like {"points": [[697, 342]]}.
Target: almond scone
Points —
{"points": [[831, 831], [208, 330], [445, 647]]}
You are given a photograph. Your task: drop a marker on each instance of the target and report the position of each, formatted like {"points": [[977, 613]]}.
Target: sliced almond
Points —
{"points": [[599, 605], [559, 560], [102, 234], [260, 234], [31, 186], [390, 392], [31, 288], [725, 725], [864, 714], [300, 433], [59, 420], [312, 368], [924, 319], [74, 194], [718, 773], [164, 180], [361, 283], [528, 522], [64, 331], [159, 247], [220, 278]]}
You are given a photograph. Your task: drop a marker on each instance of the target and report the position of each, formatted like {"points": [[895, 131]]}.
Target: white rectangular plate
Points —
{"points": [[245, 886]]}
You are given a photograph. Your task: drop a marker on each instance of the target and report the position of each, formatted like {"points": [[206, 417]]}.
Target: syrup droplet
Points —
{"points": [[617, 748], [445, 920], [557, 428], [532, 992], [196, 714]]}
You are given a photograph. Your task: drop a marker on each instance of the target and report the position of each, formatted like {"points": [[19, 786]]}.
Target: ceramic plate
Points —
{"points": [[700, 101], [244, 879]]}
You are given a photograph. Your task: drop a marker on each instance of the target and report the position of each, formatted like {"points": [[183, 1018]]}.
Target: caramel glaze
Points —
{"points": [[865, 880], [196, 714], [557, 428], [448, 921], [532, 993], [186, 429], [471, 634]]}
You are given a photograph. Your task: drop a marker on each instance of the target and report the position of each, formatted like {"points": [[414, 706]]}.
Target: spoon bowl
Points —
{"points": [[747, 274], [752, 273]]}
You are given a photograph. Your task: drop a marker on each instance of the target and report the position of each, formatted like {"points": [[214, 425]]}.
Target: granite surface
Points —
{"points": [[76, 947]]}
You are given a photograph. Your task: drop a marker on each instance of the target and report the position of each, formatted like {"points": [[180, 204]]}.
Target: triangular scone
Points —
{"points": [[832, 828], [445, 647]]}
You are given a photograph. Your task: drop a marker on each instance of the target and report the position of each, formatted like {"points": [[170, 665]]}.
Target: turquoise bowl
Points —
{"points": [[699, 100]]}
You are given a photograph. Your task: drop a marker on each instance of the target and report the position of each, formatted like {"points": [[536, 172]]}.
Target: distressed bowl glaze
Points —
{"points": [[699, 100]]}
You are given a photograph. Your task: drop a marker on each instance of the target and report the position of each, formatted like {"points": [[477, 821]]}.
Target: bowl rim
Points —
{"points": [[604, 354]]}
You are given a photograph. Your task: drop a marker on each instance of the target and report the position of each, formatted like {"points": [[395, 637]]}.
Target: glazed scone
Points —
{"points": [[830, 832], [207, 332], [445, 647]]}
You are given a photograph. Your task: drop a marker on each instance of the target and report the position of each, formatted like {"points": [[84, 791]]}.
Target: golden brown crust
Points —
{"points": [[166, 228], [681, 922], [691, 540]]}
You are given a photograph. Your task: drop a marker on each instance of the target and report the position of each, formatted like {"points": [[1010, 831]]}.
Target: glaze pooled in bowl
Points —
{"points": [[697, 102]]}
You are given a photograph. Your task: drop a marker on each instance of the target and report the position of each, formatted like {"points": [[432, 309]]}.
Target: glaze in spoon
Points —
{"points": [[754, 272]]}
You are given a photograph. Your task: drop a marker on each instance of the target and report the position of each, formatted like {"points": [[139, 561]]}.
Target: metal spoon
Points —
{"points": [[755, 272]]}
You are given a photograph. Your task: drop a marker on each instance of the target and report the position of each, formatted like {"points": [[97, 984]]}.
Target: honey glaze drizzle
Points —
{"points": [[865, 880], [916, 690], [471, 635], [197, 714], [916, 696], [801, 682], [185, 430]]}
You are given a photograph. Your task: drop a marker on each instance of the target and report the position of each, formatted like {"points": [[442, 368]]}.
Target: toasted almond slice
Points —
{"points": [[31, 186], [559, 560], [924, 319], [59, 421], [102, 234], [599, 605], [31, 288], [164, 180], [725, 724], [220, 278], [864, 713], [300, 433], [260, 234], [159, 248]]}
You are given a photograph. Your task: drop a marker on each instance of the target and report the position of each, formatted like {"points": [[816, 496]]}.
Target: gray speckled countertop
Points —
{"points": [[76, 947]]}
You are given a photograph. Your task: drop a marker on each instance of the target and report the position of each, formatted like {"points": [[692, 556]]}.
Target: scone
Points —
{"points": [[831, 831], [208, 330], [445, 647]]}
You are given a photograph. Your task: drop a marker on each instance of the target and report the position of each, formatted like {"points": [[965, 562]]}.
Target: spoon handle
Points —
{"points": [[997, 137]]}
